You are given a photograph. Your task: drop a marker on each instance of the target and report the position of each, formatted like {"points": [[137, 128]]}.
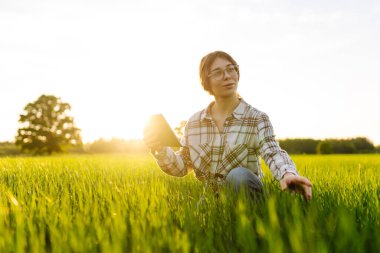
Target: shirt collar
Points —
{"points": [[240, 109], [237, 113], [206, 113]]}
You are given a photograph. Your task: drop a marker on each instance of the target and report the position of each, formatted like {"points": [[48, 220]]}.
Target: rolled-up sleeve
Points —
{"points": [[277, 159]]}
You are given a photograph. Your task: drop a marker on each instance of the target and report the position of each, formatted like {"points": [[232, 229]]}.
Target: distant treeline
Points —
{"points": [[9, 149], [115, 146], [99, 146], [292, 146], [357, 145]]}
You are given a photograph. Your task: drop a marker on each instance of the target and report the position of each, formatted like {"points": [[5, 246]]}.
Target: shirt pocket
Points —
{"points": [[201, 158], [234, 156]]}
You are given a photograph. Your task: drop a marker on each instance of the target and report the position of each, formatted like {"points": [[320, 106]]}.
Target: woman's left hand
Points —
{"points": [[297, 184]]}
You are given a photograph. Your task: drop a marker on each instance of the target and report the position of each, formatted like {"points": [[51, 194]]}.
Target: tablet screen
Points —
{"points": [[160, 127]]}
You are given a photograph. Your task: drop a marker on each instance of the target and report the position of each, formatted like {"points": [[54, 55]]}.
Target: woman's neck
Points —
{"points": [[226, 105]]}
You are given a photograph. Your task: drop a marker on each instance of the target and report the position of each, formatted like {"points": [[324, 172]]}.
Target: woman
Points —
{"points": [[224, 142]]}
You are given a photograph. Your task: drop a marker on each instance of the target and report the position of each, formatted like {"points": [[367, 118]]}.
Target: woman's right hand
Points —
{"points": [[152, 141]]}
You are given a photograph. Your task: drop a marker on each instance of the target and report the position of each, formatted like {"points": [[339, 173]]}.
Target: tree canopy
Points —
{"points": [[328, 146], [299, 146], [46, 127]]}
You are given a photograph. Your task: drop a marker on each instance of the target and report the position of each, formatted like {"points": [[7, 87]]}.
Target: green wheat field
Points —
{"points": [[125, 203]]}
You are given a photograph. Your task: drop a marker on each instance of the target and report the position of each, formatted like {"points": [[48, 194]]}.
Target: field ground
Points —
{"points": [[124, 203]]}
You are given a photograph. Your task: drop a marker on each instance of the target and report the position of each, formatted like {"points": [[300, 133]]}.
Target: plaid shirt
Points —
{"points": [[247, 135]]}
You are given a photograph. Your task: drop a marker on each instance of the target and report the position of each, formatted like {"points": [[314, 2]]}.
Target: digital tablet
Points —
{"points": [[160, 127]]}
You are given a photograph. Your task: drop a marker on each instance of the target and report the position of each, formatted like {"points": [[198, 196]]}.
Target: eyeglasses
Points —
{"points": [[219, 74]]}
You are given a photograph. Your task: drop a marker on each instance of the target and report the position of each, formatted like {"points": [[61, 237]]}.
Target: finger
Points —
{"points": [[283, 184], [301, 181], [299, 188], [287, 182], [304, 190], [307, 193], [297, 184]]}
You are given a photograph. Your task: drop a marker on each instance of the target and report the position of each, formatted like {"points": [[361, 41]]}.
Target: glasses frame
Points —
{"points": [[234, 72]]}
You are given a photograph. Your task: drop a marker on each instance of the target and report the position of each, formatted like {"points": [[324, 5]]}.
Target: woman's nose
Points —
{"points": [[226, 75]]}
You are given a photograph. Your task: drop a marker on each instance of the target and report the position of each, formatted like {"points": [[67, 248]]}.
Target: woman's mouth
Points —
{"points": [[229, 85]]}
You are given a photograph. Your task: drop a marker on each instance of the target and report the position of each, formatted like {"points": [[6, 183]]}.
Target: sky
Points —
{"points": [[312, 66]]}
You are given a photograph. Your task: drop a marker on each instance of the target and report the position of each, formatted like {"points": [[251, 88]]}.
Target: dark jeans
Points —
{"points": [[243, 179]]}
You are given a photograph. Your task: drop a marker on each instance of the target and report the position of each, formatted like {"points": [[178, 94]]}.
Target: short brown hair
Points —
{"points": [[206, 62]]}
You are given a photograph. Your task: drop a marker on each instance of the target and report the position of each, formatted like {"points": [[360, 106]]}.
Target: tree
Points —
{"points": [[46, 127], [299, 146], [342, 146], [363, 145], [325, 147]]}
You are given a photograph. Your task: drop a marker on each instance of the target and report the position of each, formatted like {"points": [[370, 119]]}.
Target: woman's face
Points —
{"points": [[223, 78]]}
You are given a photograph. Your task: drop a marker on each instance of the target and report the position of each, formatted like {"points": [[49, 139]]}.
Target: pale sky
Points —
{"points": [[312, 66]]}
